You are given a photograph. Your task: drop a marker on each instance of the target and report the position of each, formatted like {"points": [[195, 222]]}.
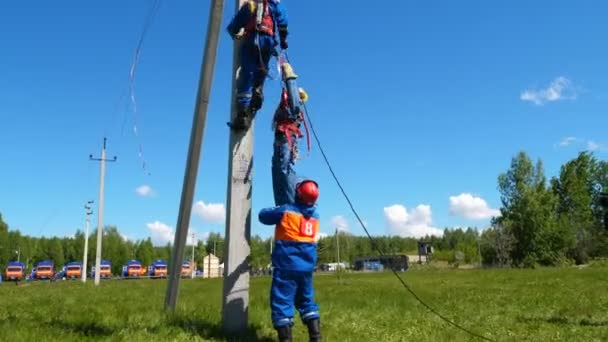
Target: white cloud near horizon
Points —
{"points": [[471, 207], [161, 234], [560, 88], [210, 212], [339, 222], [416, 223]]}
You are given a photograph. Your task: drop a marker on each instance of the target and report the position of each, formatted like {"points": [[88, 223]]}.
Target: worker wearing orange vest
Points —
{"points": [[262, 21], [294, 257]]}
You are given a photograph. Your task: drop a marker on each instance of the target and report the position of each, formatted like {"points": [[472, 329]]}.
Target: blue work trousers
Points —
{"points": [[289, 289], [255, 57], [283, 172]]}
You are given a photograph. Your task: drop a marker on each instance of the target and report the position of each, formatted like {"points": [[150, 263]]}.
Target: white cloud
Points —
{"points": [[567, 141], [144, 191], [210, 213], [595, 146], [162, 234], [471, 207], [416, 224], [592, 145], [339, 222], [560, 89]]}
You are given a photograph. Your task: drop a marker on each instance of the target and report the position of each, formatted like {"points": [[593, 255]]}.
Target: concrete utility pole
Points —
{"points": [[479, 248], [193, 264], [102, 176], [338, 247], [235, 305], [86, 242], [196, 139]]}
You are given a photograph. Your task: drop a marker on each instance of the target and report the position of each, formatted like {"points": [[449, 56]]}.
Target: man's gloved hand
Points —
{"points": [[284, 44]]}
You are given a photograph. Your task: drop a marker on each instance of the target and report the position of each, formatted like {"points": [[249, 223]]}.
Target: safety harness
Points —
{"points": [[289, 124], [263, 20]]}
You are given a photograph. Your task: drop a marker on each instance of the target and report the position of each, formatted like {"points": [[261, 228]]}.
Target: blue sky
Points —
{"points": [[415, 102]]}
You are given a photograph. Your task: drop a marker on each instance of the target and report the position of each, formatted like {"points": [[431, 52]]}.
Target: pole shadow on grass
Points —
{"points": [[86, 328], [560, 320], [210, 330]]}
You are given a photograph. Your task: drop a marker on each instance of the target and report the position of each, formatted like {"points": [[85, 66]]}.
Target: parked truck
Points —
{"points": [[158, 269], [71, 270], [133, 269], [186, 271], [43, 270], [106, 270], [15, 271]]}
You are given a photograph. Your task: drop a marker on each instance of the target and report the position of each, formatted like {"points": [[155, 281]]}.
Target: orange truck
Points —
{"points": [[158, 269], [15, 271], [105, 270], [186, 271], [73, 270], [43, 270], [133, 269]]}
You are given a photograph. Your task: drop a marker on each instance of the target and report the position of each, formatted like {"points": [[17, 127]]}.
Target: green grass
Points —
{"points": [[561, 304]]}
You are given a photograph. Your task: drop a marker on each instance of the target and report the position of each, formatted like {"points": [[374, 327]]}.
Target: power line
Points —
{"points": [[375, 245]]}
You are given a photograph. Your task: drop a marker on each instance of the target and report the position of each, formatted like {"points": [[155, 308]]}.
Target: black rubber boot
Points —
{"points": [[284, 333], [314, 330]]}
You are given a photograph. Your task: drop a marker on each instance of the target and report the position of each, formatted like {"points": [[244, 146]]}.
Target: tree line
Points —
{"points": [[549, 222], [343, 247], [542, 222]]}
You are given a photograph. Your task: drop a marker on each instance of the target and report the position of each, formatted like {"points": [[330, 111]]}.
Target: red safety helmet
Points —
{"points": [[307, 192]]}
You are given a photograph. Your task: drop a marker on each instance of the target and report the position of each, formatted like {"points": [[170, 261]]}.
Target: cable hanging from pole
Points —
{"points": [[148, 21], [373, 241], [127, 97]]}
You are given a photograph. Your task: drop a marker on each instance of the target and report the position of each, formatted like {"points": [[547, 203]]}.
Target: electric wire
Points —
{"points": [[373, 241]]}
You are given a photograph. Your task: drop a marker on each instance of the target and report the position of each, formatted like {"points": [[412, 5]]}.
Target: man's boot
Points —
{"points": [[242, 120], [257, 98], [314, 330], [284, 333]]}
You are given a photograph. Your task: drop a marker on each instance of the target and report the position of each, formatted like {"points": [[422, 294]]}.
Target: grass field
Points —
{"points": [[565, 304]]}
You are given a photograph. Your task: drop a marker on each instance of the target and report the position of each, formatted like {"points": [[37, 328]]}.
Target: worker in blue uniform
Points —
{"points": [[287, 120], [293, 259], [260, 20]]}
